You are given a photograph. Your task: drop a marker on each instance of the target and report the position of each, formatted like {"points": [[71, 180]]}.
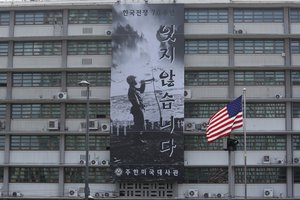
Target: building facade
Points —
{"points": [[47, 47]]}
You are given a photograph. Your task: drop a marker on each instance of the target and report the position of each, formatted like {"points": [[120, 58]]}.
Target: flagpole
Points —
{"points": [[245, 141]]}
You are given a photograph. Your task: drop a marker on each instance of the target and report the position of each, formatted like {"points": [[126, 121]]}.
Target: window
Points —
{"points": [[206, 47], [90, 16], [2, 111], [34, 142], [259, 78], [96, 142], [262, 142], [37, 79], [51, 48], [296, 142], [78, 111], [35, 111], [94, 78], [201, 110], [296, 174], [33, 175], [1, 174], [295, 15], [89, 47], [38, 17], [212, 175], [296, 110], [194, 78], [295, 46], [4, 18], [295, 77], [3, 79], [3, 48], [261, 175], [199, 143], [2, 144], [96, 175], [265, 110], [258, 15], [258, 46], [193, 15]]}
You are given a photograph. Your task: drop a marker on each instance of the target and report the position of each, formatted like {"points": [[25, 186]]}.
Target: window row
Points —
{"points": [[254, 143], [103, 47], [191, 110], [53, 79], [192, 15], [102, 143], [210, 78], [254, 110], [210, 175], [48, 111], [191, 78]]}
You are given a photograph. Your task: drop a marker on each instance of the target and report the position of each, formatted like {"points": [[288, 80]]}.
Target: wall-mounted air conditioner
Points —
{"points": [[192, 193], [190, 126], [266, 159], [94, 162], [278, 96], [62, 95], [219, 195], [17, 194], [239, 31], [187, 94], [2, 124], [296, 160], [105, 126], [108, 32], [82, 162], [93, 124], [73, 193], [268, 192], [53, 124], [104, 162], [207, 195], [280, 161]]}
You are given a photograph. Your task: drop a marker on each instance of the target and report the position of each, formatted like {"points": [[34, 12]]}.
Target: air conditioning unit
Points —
{"points": [[105, 126], [73, 193], [296, 160], [219, 195], [266, 159], [82, 162], [104, 162], [190, 126], [62, 95], [207, 195], [268, 192], [2, 124], [108, 32], [53, 124], [192, 193], [17, 194], [278, 96], [239, 31], [280, 161], [187, 94], [94, 162], [93, 125], [203, 126]]}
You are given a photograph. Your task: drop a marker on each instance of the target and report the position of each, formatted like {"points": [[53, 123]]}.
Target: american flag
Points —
{"points": [[225, 120]]}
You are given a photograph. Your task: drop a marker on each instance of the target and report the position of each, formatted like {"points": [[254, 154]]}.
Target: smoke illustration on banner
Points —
{"points": [[147, 86]]}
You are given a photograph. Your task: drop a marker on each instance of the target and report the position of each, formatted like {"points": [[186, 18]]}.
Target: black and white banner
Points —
{"points": [[147, 92]]}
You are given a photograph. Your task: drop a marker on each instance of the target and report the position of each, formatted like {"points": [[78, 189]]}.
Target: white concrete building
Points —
{"points": [[47, 47]]}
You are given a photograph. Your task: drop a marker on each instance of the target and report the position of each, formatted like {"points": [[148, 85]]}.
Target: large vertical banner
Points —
{"points": [[147, 92]]}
